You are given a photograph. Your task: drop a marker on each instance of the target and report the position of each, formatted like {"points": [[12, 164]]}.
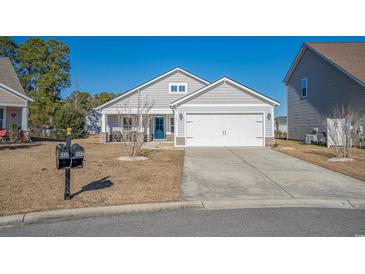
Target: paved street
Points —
{"points": [[260, 173], [230, 222]]}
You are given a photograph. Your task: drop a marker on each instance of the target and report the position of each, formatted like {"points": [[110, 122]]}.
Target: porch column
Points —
{"points": [[104, 132], [141, 123], [103, 123], [25, 119]]}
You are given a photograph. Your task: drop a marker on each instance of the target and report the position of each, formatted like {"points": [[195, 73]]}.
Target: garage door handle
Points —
{"points": [[189, 121], [189, 137], [259, 137]]}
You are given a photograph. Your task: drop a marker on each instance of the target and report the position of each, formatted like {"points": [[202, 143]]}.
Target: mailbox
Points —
{"points": [[67, 157], [77, 156], [63, 158]]}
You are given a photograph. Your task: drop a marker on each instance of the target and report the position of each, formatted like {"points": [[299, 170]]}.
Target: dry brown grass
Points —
{"points": [[30, 182], [319, 155]]}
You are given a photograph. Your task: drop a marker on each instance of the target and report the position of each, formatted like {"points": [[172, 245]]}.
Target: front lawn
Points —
{"points": [[319, 155], [29, 180]]}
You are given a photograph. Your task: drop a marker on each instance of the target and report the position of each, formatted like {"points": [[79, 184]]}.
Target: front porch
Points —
{"points": [[156, 127], [13, 123]]}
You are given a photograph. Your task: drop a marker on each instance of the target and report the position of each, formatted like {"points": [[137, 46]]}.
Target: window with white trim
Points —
{"points": [[304, 87], [127, 123], [1, 118], [172, 124], [178, 88]]}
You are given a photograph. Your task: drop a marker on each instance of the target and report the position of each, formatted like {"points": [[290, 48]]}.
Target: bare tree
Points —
{"points": [[343, 128], [134, 123]]}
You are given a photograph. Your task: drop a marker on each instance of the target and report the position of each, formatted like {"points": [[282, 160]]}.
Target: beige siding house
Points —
{"points": [[190, 111], [13, 101], [324, 76]]}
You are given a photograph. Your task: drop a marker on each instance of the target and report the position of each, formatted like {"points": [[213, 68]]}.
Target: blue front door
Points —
{"points": [[159, 127]]}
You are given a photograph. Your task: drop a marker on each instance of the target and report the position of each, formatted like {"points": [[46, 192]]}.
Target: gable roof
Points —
{"points": [[9, 81], [194, 94], [8, 76], [152, 81], [348, 57]]}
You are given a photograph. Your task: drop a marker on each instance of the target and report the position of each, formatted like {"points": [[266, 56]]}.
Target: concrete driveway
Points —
{"points": [[260, 173]]}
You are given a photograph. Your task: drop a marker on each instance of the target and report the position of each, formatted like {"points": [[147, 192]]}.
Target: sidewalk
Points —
{"points": [[69, 214]]}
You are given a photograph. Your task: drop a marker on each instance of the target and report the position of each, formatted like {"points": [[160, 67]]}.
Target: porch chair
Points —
{"points": [[3, 135]]}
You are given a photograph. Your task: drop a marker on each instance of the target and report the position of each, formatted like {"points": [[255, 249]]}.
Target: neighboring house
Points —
{"points": [[13, 101], [193, 112], [324, 76], [281, 124]]}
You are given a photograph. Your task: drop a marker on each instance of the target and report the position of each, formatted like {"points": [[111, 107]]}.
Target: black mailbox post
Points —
{"points": [[69, 156]]}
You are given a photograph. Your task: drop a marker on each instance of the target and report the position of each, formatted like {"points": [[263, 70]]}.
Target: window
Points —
{"points": [[182, 88], [127, 123], [178, 88], [173, 88], [304, 87], [1, 118], [172, 125]]}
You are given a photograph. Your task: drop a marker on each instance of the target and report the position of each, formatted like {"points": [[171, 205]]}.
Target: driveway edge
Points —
{"points": [[76, 213]]}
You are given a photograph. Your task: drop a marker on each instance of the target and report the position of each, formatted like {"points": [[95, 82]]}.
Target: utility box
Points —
{"points": [[77, 156], [310, 139], [63, 157]]}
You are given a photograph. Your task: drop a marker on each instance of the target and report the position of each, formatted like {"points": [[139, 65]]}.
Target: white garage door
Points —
{"points": [[224, 130]]}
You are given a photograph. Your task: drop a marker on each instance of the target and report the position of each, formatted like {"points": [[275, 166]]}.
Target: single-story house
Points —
{"points": [[324, 76], [13, 100], [191, 111]]}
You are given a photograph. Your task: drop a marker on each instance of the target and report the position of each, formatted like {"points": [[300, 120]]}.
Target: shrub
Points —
{"points": [[67, 116]]}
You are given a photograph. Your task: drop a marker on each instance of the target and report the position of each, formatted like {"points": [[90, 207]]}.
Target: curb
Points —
{"points": [[357, 203], [11, 220], [283, 203], [76, 213]]}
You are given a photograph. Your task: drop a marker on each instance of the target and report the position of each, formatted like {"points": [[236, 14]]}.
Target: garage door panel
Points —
{"points": [[203, 130], [224, 130]]}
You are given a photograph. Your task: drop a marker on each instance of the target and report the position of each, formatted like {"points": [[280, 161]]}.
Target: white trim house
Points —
{"points": [[13, 101], [193, 112]]}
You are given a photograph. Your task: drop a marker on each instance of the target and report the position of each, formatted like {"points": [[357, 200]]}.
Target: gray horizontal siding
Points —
{"points": [[226, 109], [327, 87], [6, 98], [158, 93], [225, 94]]}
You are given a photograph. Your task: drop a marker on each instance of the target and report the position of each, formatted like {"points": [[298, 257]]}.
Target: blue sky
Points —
{"points": [[116, 64]]}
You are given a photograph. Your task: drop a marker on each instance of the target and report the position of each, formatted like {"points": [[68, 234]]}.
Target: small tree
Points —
{"points": [[138, 120], [343, 126], [68, 116]]}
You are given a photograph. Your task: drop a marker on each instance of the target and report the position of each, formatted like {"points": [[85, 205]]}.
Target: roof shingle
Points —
{"points": [[8, 75], [349, 56]]}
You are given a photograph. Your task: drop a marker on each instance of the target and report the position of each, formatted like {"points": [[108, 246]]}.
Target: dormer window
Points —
{"points": [[304, 87], [178, 88]]}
